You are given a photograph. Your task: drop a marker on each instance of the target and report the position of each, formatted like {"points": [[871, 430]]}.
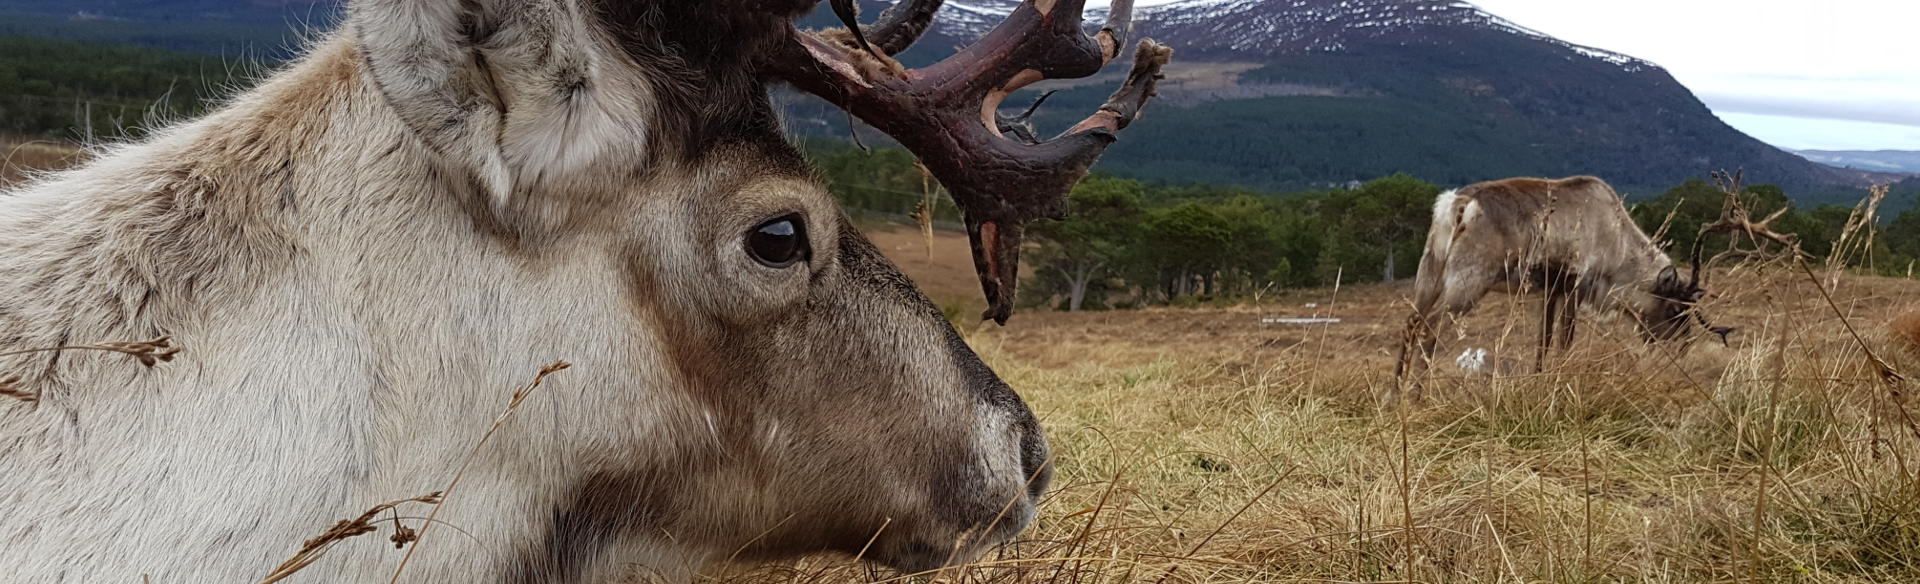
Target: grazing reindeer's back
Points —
{"points": [[1578, 225]]}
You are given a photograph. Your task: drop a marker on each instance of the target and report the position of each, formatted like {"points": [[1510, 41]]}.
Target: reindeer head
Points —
{"points": [[1675, 300], [811, 396], [1676, 304], [1673, 304]]}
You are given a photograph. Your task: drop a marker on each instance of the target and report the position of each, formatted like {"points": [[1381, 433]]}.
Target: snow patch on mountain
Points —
{"points": [[1286, 26]]}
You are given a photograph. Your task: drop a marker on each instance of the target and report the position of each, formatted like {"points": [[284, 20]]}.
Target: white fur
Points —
{"points": [[1443, 223], [546, 133]]}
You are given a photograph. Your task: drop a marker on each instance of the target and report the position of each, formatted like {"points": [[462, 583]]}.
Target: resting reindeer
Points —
{"points": [[364, 255], [1571, 239]]}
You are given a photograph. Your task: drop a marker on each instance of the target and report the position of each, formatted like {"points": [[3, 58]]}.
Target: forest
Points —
{"points": [[90, 92], [1130, 243]]}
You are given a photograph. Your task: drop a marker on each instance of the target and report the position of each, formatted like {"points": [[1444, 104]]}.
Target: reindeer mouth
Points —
{"points": [[1720, 331], [923, 553]]}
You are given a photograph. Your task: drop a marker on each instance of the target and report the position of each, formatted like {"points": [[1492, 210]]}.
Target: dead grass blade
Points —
{"points": [[315, 548], [519, 397], [1223, 525], [149, 353], [10, 387]]}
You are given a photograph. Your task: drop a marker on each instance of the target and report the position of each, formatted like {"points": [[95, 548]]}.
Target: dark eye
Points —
{"points": [[779, 243]]}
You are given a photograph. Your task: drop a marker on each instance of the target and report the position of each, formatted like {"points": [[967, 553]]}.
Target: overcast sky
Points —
{"points": [[1835, 74], [1795, 73]]}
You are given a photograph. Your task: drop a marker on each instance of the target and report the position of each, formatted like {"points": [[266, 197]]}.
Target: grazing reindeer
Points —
{"points": [[1571, 239], [362, 257]]}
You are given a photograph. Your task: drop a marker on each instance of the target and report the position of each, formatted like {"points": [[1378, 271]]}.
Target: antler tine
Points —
{"points": [[1697, 282], [901, 24], [947, 114], [1735, 217]]}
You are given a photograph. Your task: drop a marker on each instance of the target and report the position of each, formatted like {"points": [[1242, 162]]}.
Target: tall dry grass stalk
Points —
{"points": [[11, 388], [346, 529], [403, 535], [513, 405], [923, 211], [1856, 236], [148, 353]]}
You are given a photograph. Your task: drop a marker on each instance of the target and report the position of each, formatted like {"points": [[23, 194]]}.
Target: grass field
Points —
{"points": [[1206, 445], [1201, 445]]}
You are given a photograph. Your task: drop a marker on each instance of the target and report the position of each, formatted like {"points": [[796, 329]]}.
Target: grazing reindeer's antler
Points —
{"points": [[947, 113], [1736, 218]]}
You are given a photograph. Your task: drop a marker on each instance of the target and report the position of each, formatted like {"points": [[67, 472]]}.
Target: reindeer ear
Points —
{"points": [[1668, 279], [505, 90]]}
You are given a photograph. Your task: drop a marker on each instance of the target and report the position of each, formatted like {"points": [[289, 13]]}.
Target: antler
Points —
{"points": [[947, 113], [1736, 218]]}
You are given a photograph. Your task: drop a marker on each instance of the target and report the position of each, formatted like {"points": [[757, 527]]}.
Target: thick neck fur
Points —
{"points": [[211, 234]]}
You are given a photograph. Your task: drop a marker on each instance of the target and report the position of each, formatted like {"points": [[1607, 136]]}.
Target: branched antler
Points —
{"points": [[947, 113], [1736, 218]]}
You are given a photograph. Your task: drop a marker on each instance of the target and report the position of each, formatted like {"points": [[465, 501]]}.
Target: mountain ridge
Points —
{"points": [[1265, 93], [1364, 88]]}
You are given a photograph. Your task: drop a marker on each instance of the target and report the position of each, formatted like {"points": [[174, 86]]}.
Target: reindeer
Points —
{"points": [[1571, 239], [362, 256]]}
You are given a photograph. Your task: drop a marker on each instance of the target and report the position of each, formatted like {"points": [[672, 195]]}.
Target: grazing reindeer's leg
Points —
{"points": [[1569, 311], [1428, 285], [1433, 311], [1419, 331], [1546, 327]]}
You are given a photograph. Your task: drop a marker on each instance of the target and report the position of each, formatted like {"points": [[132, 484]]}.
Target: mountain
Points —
{"points": [[1297, 93], [1897, 161], [266, 29], [169, 10], [1267, 93]]}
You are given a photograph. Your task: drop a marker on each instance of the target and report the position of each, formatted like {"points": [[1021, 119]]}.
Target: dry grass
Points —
{"points": [[148, 353], [1205, 446], [403, 535], [20, 158], [346, 529], [1904, 332]]}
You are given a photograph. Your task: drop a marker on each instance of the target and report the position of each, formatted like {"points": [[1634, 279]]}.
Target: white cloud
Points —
{"points": [[1824, 134], [1842, 67]]}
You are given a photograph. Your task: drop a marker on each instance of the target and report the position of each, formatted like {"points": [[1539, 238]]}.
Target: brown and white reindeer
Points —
{"points": [[362, 256], [1569, 239]]}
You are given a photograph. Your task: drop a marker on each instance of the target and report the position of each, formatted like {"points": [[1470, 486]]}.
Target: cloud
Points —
{"points": [[1826, 134], [1884, 112]]}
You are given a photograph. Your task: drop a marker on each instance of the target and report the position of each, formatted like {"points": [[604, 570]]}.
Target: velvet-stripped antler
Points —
{"points": [[1735, 218], [947, 113]]}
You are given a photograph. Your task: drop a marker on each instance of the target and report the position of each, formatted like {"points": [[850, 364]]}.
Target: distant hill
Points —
{"points": [[1268, 93], [264, 29], [1902, 161], [172, 10], [1300, 93]]}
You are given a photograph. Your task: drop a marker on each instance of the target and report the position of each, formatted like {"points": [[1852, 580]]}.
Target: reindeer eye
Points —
{"points": [[778, 243]]}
